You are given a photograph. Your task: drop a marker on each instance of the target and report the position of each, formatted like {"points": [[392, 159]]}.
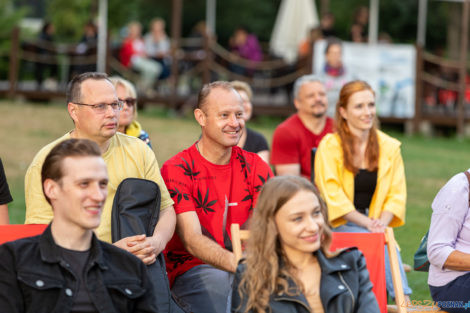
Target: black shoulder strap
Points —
{"points": [[468, 178]]}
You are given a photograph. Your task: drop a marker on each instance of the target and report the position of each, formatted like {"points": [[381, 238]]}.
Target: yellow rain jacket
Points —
{"points": [[336, 183]]}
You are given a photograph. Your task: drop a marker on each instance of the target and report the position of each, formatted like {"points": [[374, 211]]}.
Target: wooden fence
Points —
{"points": [[442, 98]]}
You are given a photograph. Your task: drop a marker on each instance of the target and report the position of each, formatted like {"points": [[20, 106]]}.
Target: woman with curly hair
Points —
{"points": [[288, 266], [359, 171]]}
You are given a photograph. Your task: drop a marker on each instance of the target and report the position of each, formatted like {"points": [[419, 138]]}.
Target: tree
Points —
{"points": [[9, 18], [68, 18]]}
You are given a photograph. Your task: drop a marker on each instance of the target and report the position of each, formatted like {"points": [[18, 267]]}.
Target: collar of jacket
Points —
{"points": [[331, 265], [134, 129], [50, 251], [328, 267]]}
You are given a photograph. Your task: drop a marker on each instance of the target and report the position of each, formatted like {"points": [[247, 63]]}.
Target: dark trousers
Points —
{"points": [[50, 69], [453, 297]]}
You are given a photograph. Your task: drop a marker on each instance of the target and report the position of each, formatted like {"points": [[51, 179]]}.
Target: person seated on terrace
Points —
{"points": [[133, 55], [306, 46], [359, 172], [250, 139], [448, 246], [128, 125], [288, 265], [86, 48], [327, 25], [157, 46], [358, 31], [246, 46], [46, 63]]}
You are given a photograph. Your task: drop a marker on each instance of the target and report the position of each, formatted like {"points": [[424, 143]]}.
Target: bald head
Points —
{"points": [[207, 90]]}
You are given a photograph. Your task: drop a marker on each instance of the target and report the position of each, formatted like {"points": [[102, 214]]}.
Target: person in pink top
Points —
{"points": [[294, 138]]}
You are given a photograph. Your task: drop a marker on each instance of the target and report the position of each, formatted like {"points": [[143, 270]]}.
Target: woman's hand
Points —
{"points": [[376, 226]]}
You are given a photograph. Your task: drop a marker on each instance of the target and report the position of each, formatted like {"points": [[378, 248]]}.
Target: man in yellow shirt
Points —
{"points": [[94, 107]]}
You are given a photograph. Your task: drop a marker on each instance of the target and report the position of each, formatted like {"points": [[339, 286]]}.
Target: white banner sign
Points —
{"points": [[389, 68]]}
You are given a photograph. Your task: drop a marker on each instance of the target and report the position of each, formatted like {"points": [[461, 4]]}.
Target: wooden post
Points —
{"points": [[419, 89], [175, 46], [206, 74], [395, 270], [310, 58], [14, 60], [462, 70], [108, 55]]}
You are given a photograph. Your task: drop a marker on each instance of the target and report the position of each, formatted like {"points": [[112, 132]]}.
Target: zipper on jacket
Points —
{"points": [[295, 300], [349, 290]]}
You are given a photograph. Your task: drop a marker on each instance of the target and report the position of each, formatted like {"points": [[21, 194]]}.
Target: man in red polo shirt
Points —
{"points": [[294, 138], [214, 183]]}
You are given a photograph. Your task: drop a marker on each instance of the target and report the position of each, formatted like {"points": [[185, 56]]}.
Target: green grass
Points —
{"points": [[429, 162]]}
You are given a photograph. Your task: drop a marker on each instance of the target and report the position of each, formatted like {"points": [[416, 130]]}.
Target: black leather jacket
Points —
{"points": [[344, 287], [35, 279]]}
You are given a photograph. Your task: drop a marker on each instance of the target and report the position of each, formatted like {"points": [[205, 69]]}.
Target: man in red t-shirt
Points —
{"points": [[214, 183], [294, 138]]}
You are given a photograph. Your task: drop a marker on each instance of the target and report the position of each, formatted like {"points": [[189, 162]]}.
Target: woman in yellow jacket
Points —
{"points": [[359, 171]]}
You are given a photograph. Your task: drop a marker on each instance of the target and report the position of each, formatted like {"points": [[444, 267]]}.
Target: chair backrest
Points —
{"points": [[237, 237], [17, 231], [312, 164], [371, 245]]}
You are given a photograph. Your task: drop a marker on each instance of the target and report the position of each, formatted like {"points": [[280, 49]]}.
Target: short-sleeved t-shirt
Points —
{"points": [[219, 194], [293, 142], [255, 142], [126, 157], [5, 196]]}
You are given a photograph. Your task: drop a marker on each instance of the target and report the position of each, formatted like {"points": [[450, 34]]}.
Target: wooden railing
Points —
{"points": [[203, 60], [442, 94], [199, 59]]}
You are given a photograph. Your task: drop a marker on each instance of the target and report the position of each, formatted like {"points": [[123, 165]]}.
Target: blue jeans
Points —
{"points": [[205, 289], [453, 297], [353, 228]]}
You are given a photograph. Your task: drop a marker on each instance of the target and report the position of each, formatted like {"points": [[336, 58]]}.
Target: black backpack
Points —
{"points": [[136, 209]]}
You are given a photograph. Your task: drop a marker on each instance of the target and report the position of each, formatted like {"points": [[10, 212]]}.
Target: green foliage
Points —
{"points": [[68, 18], [149, 9], [122, 12], [399, 19], [343, 12], [257, 16], [9, 18]]}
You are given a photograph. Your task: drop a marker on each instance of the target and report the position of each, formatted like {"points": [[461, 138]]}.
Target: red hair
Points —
{"points": [[347, 138]]}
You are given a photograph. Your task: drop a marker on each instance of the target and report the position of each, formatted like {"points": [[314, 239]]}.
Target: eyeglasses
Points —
{"points": [[102, 107], [129, 101]]}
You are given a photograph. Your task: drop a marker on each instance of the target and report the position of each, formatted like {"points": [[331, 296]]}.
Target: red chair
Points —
{"points": [[372, 246], [18, 231]]}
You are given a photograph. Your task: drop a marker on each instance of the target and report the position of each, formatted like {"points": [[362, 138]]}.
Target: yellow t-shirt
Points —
{"points": [[126, 157]]}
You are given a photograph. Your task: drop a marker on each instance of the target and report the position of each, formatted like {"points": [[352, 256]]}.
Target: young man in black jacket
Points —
{"points": [[67, 269]]}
